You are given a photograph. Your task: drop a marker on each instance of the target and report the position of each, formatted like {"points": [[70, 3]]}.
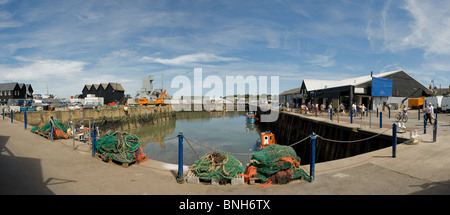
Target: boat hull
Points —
{"points": [[251, 120]]}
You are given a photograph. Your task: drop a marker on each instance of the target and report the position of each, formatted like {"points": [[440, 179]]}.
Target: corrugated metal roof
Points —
{"points": [[360, 80], [312, 85]]}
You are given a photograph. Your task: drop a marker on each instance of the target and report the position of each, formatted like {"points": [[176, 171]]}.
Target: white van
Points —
{"points": [[436, 101], [445, 104]]}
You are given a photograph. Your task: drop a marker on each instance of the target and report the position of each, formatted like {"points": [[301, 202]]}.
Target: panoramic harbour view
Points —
{"points": [[235, 106]]}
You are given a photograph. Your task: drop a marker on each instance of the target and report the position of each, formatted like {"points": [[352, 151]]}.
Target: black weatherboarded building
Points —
{"points": [[111, 92], [15, 90]]}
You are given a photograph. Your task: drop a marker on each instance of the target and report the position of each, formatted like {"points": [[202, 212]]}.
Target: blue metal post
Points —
{"points": [[424, 124], [435, 129], [377, 112], [12, 116], [316, 112], [3, 113], [313, 156], [331, 114], [25, 119], [51, 128], [419, 114], [389, 109], [94, 138], [180, 156], [351, 116], [381, 119], [394, 140]]}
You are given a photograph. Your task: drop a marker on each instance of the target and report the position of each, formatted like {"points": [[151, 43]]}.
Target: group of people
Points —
{"points": [[360, 110]]}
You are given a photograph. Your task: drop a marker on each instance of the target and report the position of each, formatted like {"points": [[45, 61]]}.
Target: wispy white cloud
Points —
{"points": [[189, 59], [323, 60], [7, 21], [420, 24], [431, 27]]}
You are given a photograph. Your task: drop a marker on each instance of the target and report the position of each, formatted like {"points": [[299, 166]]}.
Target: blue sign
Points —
{"points": [[381, 87]]}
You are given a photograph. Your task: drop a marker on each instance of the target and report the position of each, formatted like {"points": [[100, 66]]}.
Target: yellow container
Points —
{"points": [[415, 102]]}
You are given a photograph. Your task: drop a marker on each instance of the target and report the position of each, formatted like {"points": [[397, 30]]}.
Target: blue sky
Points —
{"points": [[67, 44]]}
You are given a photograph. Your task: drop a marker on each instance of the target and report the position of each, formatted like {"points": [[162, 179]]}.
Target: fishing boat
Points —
{"points": [[267, 138], [251, 117]]}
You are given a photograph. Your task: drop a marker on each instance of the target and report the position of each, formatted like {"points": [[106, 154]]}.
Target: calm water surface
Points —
{"points": [[225, 131]]}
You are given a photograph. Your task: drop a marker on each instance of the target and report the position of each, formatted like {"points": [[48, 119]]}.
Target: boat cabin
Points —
{"points": [[267, 138]]}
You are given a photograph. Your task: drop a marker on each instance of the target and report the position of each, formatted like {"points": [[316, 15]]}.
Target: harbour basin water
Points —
{"points": [[223, 131]]}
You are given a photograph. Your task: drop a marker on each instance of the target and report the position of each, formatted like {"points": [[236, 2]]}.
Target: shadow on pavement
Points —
{"points": [[20, 175]]}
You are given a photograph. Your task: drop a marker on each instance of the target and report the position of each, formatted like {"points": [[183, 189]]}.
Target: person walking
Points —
{"points": [[429, 111], [342, 108], [354, 108]]}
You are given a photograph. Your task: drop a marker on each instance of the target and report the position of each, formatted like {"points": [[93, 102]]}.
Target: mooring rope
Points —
{"points": [[353, 141]]}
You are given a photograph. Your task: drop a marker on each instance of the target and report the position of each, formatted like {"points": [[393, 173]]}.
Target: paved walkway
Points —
{"points": [[30, 164]]}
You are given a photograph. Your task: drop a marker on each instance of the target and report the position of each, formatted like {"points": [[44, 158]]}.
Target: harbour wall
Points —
{"points": [[132, 116], [291, 128]]}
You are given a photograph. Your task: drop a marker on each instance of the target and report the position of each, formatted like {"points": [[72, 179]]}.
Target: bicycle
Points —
{"points": [[401, 117]]}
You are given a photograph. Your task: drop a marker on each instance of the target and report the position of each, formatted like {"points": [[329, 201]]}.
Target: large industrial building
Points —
{"points": [[374, 91]]}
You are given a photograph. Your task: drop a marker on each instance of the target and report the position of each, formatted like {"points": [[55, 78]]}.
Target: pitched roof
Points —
{"points": [[116, 86], [312, 85], [291, 91], [8, 86], [360, 80]]}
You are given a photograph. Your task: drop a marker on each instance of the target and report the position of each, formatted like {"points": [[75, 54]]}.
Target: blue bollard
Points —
{"points": [[424, 124], [316, 112], [351, 116], [51, 128], [389, 109], [3, 113], [313, 156], [331, 114], [180, 158], [381, 119], [394, 140], [435, 129], [94, 138], [419, 114], [12, 116], [25, 119], [377, 112]]}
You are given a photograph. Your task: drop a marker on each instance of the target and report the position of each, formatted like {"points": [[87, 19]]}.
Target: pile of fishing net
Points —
{"points": [[59, 130], [222, 167], [275, 164], [121, 147]]}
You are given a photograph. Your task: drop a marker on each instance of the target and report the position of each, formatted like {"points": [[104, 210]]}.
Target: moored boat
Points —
{"points": [[251, 117], [267, 138]]}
